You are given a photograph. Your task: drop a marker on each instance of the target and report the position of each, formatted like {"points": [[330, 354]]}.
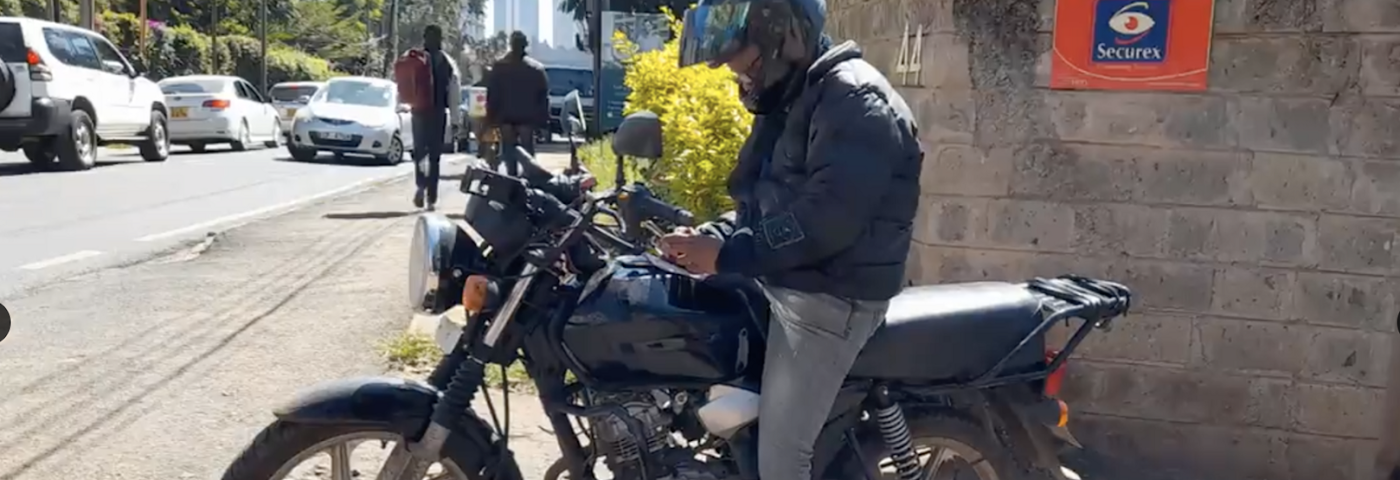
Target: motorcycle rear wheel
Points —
{"points": [[281, 447], [953, 448]]}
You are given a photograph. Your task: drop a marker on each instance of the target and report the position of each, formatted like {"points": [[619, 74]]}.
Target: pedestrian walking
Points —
{"points": [[428, 79], [517, 99]]}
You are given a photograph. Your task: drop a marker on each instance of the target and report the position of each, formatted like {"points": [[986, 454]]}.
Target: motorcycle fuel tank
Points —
{"points": [[642, 325]]}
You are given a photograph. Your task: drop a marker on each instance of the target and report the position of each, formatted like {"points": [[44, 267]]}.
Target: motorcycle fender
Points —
{"points": [[1025, 435], [402, 404]]}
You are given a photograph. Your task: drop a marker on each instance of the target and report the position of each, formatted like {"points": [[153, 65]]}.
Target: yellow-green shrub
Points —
{"points": [[703, 122]]}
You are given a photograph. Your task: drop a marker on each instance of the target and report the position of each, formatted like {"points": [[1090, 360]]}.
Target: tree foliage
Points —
{"points": [[349, 36], [703, 122]]}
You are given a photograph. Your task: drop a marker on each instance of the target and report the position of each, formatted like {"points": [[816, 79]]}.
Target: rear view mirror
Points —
{"points": [[304, 99], [573, 107], [639, 135], [403, 108], [574, 125]]}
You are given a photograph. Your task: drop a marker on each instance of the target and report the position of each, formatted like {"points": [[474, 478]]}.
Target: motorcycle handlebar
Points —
{"points": [[656, 208]]}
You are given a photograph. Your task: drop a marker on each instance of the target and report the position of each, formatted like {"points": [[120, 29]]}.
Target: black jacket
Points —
{"points": [[826, 191], [517, 92]]}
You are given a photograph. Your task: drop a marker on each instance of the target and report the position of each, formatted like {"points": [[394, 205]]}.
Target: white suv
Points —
{"points": [[66, 90]]}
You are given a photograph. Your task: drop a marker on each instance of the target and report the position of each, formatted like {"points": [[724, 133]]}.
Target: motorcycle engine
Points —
{"points": [[640, 427], [637, 427]]}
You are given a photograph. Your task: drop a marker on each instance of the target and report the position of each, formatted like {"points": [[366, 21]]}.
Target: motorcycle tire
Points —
{"points": [[988, 457], [282, 442], [7, 87]]}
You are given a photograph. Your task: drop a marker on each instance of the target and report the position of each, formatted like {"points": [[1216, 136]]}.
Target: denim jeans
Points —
{"points": [[813, 340]]}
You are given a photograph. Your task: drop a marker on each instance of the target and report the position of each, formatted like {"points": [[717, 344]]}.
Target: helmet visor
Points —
{"points": [[713, 33]]}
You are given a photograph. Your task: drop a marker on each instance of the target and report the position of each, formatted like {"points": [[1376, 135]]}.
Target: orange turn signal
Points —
{"points": [[1057, 377], [1064, 413], [474, 294]]}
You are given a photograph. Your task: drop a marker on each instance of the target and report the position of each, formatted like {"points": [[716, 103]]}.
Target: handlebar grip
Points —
{"points": [[659, 209]]}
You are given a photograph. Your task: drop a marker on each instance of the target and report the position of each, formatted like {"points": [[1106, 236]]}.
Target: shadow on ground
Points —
{"points": [[368, 215]]}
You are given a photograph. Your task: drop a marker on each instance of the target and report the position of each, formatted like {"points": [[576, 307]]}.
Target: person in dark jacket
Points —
{"points": [[826, 187], [517, 99], [430, 126]]}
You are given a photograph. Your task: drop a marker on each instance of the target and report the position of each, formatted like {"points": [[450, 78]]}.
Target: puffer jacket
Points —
{"points": [[826, 191]]}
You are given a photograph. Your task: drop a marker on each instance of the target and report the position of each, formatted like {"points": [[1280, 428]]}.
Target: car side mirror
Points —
{"points": [[304, 99], [403, 108]]}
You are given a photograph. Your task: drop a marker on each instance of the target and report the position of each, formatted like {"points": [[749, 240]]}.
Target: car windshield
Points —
{"points": [[563, 80], [172, 87], [354, 92], [290, 93]]}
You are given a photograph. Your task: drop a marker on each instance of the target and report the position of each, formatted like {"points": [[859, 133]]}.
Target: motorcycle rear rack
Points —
{"points": [[1095, 302]]}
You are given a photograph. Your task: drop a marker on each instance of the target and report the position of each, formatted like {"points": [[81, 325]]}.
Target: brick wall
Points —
{"points": [[1256, 222]]}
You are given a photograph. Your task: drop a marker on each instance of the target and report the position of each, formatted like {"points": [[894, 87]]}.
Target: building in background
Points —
{"points": [[540, 20]]}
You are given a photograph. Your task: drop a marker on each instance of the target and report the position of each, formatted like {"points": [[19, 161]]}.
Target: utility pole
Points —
{"points": [[393, 38], [85, 14], [142, 42], [262, 39], [55, 12], [595, 35], [214, 39]]}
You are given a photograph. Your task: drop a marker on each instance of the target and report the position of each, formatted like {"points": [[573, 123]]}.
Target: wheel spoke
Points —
{"points": [[937, 458], [340, 462]]}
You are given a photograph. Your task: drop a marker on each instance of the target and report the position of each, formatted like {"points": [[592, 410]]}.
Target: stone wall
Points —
{"points": [[1256, 222]]}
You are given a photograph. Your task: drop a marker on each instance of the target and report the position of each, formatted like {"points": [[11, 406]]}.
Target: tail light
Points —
{"points": [[216, 104], [1057, 377], [38, 71]]}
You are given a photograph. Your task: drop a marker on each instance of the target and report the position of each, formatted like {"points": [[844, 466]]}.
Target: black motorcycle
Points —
{"points": [[661, 368]]}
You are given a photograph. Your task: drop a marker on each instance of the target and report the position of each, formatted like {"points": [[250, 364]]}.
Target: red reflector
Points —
{"points": [[1057, 377], [33, 58], [220, 103]]}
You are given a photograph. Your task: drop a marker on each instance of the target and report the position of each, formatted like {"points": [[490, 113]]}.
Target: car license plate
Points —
{"points": [[179, 112], [291, 112], [335, 136]]}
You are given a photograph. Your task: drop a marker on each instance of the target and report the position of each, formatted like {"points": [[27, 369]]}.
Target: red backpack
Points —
{"points": [[414, 79]]}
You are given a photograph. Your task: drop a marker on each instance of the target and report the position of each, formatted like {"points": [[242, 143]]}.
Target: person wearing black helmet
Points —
{"points": [[826, 188]]}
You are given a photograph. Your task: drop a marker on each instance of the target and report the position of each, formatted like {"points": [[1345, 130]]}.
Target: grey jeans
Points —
{"points": [[813, 340]]}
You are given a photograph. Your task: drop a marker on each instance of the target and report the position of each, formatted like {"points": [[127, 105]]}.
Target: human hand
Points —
{"points": [[694, 252]]}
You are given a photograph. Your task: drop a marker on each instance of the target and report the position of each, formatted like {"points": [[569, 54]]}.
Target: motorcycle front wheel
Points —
{"points": [[302, 451]]}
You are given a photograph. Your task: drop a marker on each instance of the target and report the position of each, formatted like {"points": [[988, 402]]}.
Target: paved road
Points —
{"points": [[59, 223]]}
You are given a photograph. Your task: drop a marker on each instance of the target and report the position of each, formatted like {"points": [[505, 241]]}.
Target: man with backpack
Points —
{"points": [[428, 79], [517, 99]]}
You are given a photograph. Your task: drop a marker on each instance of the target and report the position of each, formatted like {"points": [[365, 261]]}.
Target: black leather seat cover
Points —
{"points": [[952, 332]]}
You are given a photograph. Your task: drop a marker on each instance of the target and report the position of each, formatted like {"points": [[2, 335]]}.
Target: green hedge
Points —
{"points": [[175, 51]]}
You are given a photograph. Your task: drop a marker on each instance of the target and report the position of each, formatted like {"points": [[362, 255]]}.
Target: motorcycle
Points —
{"points": [[660, 368]]}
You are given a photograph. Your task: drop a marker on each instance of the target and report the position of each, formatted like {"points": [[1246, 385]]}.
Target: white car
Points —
{"points": [[207, 109], [65, 90], [288, 97], [353, 115]]}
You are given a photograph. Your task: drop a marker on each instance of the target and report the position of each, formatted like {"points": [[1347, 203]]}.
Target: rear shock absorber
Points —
{"points": [[895, 431]]}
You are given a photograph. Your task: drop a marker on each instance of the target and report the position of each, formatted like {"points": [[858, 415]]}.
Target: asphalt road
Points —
{"points": [[54, 224]]}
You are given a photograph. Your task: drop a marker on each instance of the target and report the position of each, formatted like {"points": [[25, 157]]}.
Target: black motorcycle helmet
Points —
{"points": [[768, 43]]}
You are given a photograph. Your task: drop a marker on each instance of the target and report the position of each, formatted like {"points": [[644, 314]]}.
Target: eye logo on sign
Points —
{"points": [[1131, 31], [1133, 25]]}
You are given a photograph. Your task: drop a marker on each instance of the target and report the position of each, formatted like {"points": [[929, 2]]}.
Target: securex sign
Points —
{"points": [[1131, 44]]}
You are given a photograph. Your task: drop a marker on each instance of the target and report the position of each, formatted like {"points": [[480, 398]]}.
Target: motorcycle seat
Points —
{"points": [[953, 332]]}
